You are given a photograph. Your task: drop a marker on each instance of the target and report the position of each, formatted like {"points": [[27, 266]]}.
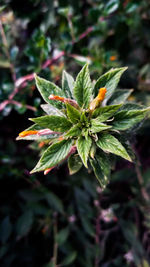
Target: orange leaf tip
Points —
{"points": [[26, 133], [60, 138], [47, 170], [101, 94], [97, 101], [56, 97]]}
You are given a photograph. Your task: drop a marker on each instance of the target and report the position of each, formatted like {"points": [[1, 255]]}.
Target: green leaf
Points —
{"points": [[97, 126], [2, 8], [62, 236], [51, 110], [120, 96], [67, 84], [104, 162], [111, 7], [87, 225], [75, 131], [69, 259], [46, 88], [109, 143], [54, 123], [109, 80], [85, 133], [72, 113], [131, 106], [83, 118], [97, 165], [53, 155], [124, 119], [30, 137], [124, 141], [24, 223], [83, 88], [5, 229], [74, 164], [4, 63], [83, 147], [36, 136], [104, 113], [54, 202]]}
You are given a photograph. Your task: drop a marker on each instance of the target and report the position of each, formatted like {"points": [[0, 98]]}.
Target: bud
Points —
{"points": [[101, 94], [100, 97]]}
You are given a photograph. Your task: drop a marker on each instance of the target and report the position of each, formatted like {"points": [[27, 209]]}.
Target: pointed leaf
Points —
{"points": [[51, 110], [72, 113], [97, 126], [62, 236], [83, 147], [30, 137], [69, 259], [109, 80], [103, 159], [5, 229], [85, 133], [131, 106], [120, 96], [53, 155], [126, 119], [74, 131], [104, 113], [54, 202], [100, 175], [74, 164], [109, 143], [67, 84], [46, 88], [54, 123], [24, 223], [83, 88], [36, 136]]}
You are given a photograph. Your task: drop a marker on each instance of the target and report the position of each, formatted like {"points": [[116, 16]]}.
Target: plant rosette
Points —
{"points": [[85, 123]]}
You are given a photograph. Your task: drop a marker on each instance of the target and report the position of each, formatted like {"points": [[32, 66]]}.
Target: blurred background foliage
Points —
{"points": [[62, 220]]}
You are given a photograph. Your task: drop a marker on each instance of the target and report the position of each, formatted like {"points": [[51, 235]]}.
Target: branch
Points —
{"points": [[55, 250], [22, 82], [6, 102], [140, 177], [6, 47]]}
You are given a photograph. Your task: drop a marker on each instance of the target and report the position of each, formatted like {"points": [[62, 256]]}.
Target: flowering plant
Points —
{"points": [[85, 123]]}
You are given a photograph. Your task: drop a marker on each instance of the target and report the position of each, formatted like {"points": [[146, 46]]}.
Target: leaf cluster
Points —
{"points": [[84, 135]]}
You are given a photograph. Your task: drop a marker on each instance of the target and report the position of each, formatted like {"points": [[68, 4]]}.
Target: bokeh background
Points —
{"points": [[61, 220]]}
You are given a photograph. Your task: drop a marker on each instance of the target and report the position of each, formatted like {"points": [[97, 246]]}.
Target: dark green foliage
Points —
{"points": [[92, 228]]}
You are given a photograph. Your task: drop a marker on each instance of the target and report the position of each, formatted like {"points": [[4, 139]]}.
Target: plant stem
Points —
{"points": [[71, 27], [140, 180], [140, 176], [6, 48], [55, 249]]}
